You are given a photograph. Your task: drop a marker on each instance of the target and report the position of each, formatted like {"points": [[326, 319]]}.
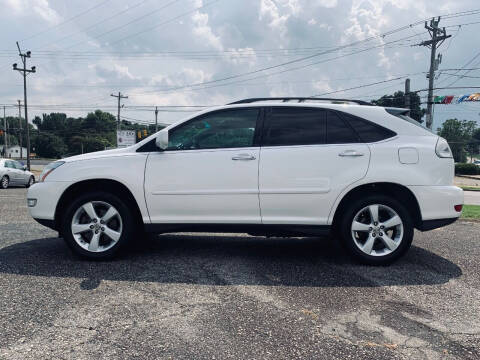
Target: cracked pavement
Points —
{"points": [[184, 296]]}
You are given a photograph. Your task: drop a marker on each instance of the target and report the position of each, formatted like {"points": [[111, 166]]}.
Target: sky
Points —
{"points": [[181, 55]]}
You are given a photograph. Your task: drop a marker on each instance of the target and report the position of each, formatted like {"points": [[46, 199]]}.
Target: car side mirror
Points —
{"points": [[162, 140], [24, 167]]}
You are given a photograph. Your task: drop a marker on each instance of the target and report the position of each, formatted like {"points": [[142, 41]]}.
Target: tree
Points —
{"points": [[398, 100], [458, 134], [49, 145]]}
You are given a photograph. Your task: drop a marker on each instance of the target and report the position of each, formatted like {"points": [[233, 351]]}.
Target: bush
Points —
{"points": [[467, 169]]}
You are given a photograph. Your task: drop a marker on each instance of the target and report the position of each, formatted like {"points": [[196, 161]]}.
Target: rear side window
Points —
{"points": [[295, 126], [368, 131], [338, 131]]}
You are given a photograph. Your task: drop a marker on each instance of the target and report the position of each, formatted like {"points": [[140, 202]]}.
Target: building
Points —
{"points": [[13, 152]]}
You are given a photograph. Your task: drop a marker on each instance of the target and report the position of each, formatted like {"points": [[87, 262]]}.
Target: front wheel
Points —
{"points": [[377, 230], [97, 225], [30, 182]]}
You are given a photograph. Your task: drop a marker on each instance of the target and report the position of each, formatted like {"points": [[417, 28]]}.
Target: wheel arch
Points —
{"points": [[394, 190], [111, 186]]}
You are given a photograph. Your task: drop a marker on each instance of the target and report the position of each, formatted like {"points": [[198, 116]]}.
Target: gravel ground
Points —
{"points": [[186, 296]]}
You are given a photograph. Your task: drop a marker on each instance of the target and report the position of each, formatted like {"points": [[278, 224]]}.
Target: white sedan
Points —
{"points": [[12, 173]]}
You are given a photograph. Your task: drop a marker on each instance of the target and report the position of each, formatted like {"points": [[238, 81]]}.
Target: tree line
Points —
{"points": [[56, 135]]}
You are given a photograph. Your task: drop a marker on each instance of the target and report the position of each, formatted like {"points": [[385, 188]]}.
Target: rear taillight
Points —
{"points": [[442, 149], [458, 208]]}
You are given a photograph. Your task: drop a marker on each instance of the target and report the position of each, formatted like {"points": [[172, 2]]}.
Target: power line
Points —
{"points": [[128, 23], [97, 23], [66, 21]]}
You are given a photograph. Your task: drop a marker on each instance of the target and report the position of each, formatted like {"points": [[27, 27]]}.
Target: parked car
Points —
{"points": [[12, 173], [476, 162], [275, 167]]}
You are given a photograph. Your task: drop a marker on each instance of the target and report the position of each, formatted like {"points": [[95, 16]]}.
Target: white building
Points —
{"points": [[13, 152]]}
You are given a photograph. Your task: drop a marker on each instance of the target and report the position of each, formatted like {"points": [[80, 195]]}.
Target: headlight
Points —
{"points": [[442, 149], [49, 168]]}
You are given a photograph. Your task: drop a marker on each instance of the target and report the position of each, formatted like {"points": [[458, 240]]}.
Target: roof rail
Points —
{"points": [[301, 99]]}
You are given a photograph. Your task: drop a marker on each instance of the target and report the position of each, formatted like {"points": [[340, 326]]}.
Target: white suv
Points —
{"points": [[274, 167]]}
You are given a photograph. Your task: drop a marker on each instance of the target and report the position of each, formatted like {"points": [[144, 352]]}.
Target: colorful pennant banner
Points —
{"points": [[449, 99]]}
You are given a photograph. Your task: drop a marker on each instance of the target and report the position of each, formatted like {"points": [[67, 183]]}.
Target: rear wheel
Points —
{"points": [[377, 230], [4, 182], [98, 225]]}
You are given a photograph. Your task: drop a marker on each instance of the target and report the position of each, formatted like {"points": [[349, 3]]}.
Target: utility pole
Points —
{"points": [[407, 95], [5, 133], [438, 37], [119, 97], [156, 118], [20, 127], [25, 72]]}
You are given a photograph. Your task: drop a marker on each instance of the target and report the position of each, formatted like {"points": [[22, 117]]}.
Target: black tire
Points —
{"points": [[30, 182], [129, 225], [4, 182], [345, 230]]}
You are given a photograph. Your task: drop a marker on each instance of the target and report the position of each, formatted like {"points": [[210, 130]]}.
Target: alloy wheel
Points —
{"points": [[377, 230], [4, 182], [96, 226]]}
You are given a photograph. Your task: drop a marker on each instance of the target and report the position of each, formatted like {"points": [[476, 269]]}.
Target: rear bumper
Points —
{"points": [[434, 224], [438, 202]]}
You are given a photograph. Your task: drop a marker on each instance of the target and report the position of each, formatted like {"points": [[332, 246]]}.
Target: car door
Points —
{"points": [[308, 156], [209, 172], [12, 172], [19, 172]]}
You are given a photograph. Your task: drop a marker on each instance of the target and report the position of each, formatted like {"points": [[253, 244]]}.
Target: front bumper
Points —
{"points": [[47, 195], [438, 202]]}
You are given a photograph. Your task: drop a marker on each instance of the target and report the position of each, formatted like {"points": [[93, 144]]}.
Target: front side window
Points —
{"points": [[224, 129], [17, 165], [295, 126]]}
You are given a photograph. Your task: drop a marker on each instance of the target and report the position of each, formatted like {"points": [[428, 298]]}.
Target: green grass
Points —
{"points": [[471, 212], [471, 188]]}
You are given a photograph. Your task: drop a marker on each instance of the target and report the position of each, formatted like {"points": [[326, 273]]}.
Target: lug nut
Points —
{"points": [[370, 228], [103, 229], [374, 234], [96, 231], [95, 220], [382, 227], [375, 223], [380, 234], [102, 222], [91, 226]]}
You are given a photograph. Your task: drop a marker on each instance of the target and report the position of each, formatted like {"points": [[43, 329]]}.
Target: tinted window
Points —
{"points": [[9, 164], [295, 126], [338, 131], [225, 129], [17, 165], [368, 131]]}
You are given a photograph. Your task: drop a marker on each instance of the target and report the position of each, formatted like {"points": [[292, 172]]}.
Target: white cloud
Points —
{"points": [[278, 12], [312, 22], [40, 8], [327, 3], [203, 30]]}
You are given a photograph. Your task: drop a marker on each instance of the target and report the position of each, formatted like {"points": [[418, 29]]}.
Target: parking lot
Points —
{"points": [[186, 296]]}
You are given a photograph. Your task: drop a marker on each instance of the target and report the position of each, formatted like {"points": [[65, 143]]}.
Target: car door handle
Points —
{"points": [[244, 157], [352, 153]]}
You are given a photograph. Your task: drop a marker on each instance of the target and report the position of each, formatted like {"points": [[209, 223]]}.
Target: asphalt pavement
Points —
{"points": [[203, 296]]}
